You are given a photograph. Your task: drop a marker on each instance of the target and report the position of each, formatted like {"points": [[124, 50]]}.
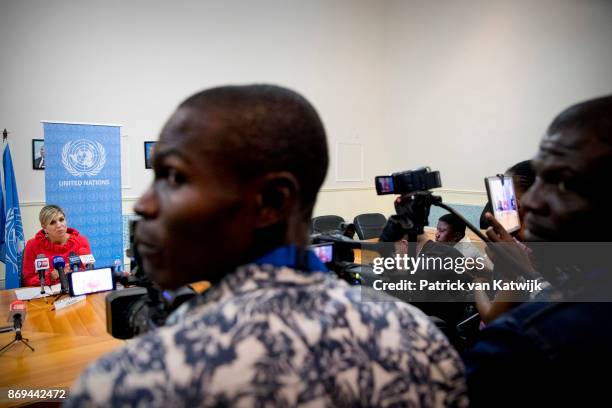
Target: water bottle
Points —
{"points": [[118, 268]]}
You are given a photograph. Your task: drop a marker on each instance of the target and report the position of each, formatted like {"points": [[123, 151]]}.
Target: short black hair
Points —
{"points": [[456, 224], [594, 116], [269, 128], [523, 174]]}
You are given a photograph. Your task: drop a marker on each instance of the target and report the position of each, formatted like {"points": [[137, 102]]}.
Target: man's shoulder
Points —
{"points": [[251, 325], [565, 325], [545, 349], [549, 330], [319, 296]]}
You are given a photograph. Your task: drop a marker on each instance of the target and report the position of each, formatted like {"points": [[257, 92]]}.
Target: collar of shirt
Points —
{"points": [[292, 257], [286, 256]]}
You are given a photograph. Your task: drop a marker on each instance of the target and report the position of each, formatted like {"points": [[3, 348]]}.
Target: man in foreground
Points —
{"points": [[551, 353], [237, 171]]}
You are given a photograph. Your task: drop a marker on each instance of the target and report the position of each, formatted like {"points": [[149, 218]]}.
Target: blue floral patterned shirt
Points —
{"points": [[273, 336]]}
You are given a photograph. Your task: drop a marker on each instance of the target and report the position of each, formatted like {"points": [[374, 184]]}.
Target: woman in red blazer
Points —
{"points": [[55, 238]]}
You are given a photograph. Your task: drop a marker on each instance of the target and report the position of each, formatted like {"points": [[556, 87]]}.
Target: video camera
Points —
{"points": [[413, 206], [143, 306], [336, 252], [406, 182]]}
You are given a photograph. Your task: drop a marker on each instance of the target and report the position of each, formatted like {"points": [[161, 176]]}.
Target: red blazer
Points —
{"points": [[41, 245]]}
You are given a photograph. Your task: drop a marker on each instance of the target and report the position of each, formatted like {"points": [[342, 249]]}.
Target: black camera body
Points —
{"points": [[336, 252], [406, 182], [413, 205], [143, 305]]}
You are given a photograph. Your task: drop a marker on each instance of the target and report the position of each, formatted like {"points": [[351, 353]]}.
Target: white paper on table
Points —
{"points": [[34, 293]]}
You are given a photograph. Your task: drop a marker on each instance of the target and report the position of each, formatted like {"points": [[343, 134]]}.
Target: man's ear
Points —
{"points": [[277, 198]]}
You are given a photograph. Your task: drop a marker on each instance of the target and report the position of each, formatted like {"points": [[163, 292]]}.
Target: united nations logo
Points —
{"points": [[83, 157], [13, 235]]}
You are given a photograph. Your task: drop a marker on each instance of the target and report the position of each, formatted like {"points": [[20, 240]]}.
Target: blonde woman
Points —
{"points": [[54, 238]]}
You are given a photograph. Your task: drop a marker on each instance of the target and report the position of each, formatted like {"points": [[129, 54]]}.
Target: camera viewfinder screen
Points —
{"points": [[92, 281], [384, 185], [503, 202], [324, 252]]}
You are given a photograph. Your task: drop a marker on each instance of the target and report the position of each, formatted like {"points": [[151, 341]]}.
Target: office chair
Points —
{"points": [[326, 223], [369, 225]]}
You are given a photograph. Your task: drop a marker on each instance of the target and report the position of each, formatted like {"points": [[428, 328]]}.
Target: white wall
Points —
{"points": [[132, 62], [466, 87], [472, 85]]}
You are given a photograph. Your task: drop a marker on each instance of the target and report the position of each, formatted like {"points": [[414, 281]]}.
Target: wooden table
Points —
{"points": [[65, 342]]}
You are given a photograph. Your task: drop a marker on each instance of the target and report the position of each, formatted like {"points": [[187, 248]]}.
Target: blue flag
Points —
{"points": [[2, 219], [12, 249]]}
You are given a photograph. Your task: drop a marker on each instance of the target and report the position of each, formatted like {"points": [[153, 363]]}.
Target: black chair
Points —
{"points": [[369, 225], [326, 223]]}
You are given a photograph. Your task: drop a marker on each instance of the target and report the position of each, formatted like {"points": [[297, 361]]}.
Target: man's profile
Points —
{"points": [[237, 172], [39, 161]]}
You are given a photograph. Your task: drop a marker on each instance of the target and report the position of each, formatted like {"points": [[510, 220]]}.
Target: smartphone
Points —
{"points": [[90, 281], [500, 190], [384, 185]]}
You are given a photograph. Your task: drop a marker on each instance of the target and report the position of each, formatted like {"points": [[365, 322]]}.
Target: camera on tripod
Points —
{"points": [[406, 182]]}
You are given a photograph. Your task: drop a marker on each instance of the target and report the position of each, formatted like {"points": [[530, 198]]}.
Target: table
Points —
{"points": [[65, 342]]}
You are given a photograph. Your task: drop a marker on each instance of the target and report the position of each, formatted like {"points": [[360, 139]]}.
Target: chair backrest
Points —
{"points": [[325, 223], [369, 225]]}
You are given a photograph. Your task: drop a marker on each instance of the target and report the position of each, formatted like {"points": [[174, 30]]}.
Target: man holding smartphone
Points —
{"points": [[544, 353]]}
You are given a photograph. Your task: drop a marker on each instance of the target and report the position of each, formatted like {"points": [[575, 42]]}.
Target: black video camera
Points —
{"points": [[412, 208], [144, 306], [336, 252], [405, 182]]}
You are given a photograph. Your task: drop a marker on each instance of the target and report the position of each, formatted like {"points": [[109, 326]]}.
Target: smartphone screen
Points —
{"points": [[503, 201], [91, 281], [384, 185]]}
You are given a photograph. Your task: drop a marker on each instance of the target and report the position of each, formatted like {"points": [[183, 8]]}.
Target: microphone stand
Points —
{"points": [[64, 286], [18, 338], [41, 278], [64, 283]]}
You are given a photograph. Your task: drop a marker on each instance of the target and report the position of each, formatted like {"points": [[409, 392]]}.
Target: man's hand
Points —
{"points": [[507, 255], [54, 274]]}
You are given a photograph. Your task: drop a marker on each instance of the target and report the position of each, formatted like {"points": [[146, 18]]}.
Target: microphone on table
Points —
{"points": [[87, 259], [17, 314], [41, 264], [59, 264], [74, 261]]}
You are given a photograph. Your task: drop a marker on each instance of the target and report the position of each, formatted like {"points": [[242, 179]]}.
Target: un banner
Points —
{"points": [[83, 176]]}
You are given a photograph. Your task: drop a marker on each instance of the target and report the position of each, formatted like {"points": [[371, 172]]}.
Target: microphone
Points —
{"points": [[41, 264], [17, 313], [59, 264], [87, 259], [74, 261]]}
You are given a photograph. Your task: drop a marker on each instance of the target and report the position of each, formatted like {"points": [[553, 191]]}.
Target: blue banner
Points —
{"points": [[83, 176], [11, 249]]}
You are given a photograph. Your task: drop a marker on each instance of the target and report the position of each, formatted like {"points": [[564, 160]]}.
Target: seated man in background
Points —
{"points": [[544, 353], [237, 172], [450, 306], [451, 230]]}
